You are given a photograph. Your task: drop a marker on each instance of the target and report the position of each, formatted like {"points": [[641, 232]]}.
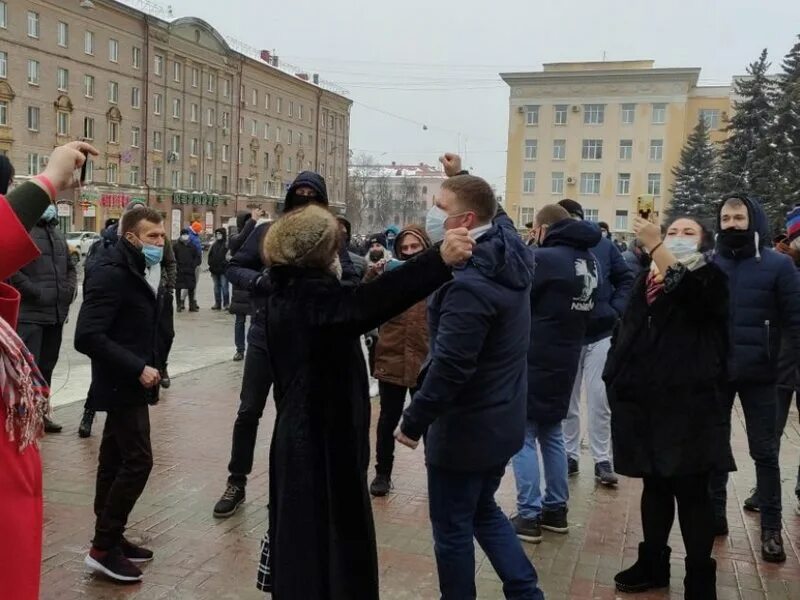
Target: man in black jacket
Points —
{"points": [[217, 264], [47, 287], [118, 329], [563, 295]]}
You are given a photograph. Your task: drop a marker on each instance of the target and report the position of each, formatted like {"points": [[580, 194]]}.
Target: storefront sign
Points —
{"points": [[196, 199], [175, 226], [64, 209], [114, 200], [89, 210], [209, 222]]}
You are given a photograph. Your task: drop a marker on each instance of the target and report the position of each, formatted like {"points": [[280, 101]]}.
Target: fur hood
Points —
{"points": [[305, 237]]}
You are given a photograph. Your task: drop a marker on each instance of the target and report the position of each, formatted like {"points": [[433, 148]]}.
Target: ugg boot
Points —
{"points": [[650, 571], [700, 582]]}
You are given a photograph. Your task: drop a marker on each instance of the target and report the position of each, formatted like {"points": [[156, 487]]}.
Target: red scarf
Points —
{"points": [[655, 285]]}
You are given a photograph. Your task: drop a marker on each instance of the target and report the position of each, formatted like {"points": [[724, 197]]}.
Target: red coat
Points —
{"points": [[20, 473]]}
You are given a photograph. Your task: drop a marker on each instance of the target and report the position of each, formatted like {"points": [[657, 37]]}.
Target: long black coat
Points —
{"points": [[321, 530], [664, 372], [188, 259]]}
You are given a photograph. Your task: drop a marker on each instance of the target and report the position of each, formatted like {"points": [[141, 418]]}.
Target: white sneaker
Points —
{"points": [[373, 388]]}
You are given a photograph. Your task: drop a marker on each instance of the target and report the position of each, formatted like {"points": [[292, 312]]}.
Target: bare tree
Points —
{"points": [[359, 174]]}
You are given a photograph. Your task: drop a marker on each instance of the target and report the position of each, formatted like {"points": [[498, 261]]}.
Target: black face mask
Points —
{"points": [[736, 239]]}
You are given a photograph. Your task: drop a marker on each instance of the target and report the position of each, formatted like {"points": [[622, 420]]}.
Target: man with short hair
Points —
{"points": [[764, 307], [471, 399], [562, 297], [118, 328], [614, 287]]}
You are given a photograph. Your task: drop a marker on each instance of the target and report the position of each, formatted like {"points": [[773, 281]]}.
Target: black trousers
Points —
{"points": [[393, 398], [179, 300], [126, 459], [695, 513], [44, 342], [256, 382], [166, 331], [785, 396]]}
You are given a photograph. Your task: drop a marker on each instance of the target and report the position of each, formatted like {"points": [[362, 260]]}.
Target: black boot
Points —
{"points": [[650, 571], [700, 582], [165, 380], [51, 426], [85, 428]]}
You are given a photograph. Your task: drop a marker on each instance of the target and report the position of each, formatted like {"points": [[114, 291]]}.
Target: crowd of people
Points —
{"points": [[477, 339]]}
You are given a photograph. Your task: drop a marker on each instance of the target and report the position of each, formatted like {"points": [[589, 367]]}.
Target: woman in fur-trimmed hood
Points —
{"points": [[322, 538]]}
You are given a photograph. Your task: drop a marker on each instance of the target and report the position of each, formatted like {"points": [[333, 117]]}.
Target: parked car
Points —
{"points": [[79, 243]]}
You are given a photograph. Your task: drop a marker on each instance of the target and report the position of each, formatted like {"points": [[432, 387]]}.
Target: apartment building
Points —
{"points": [[180, 118], [604, 134]]}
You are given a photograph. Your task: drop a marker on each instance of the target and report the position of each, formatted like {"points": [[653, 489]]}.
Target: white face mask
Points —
{"points": [[681, 246]]}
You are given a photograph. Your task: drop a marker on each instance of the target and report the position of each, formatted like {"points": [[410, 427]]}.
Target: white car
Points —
{"points": [[79, 243]]}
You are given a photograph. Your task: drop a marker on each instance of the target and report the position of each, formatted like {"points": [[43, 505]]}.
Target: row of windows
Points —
{"points": [[594, 114], [593, 149], [590, 183], [589, 214]]}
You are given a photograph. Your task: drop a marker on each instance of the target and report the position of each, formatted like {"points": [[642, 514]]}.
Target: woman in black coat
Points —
{"points": [[321, 538], [188, 259], [668, 425]]}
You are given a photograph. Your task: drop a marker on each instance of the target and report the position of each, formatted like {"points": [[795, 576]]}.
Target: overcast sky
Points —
{"points": [[436, 63]]}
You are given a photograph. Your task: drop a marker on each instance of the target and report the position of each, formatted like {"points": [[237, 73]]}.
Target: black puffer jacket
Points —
{"points": [[47, 285], [188, 259], [240, 298]]}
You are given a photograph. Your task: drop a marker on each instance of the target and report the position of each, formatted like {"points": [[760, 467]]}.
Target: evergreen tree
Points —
{"points": [[739, 166], [694, 177]]}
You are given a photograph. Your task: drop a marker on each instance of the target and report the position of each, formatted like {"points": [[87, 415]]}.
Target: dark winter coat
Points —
{"points": [[218, 255], [663, 374], [245, 269], [47, 285], [563, 295], [240, 297], [321, 528], [188, 259], [764, 289], [117, 328], [788, 366], [616, 279], [471, 400]]}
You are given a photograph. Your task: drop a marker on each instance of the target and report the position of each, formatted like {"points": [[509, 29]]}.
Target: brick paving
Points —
{"points": [[199, 558]]}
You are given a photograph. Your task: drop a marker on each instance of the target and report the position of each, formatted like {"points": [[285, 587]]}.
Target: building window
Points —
{"points": [[89, 170], [33, 24], [656, 149], [62, 123], [113, 132], [625, 149], [158, 100], [560, 114], [176, 108], [559, 149], [226, 150], [224, 184], [176, 180], [113, 50], [33, 72], [528, 182], [194, 147], [176, 144], [590, 183], [4, 112], [623, 184], [241, 124], [254, 98], [210, 117], [594, 114], [300, 112], [209, 182], [88, 128], [266, 131], [136, 97], [194, 112], [267, 101], [3, 65], [195, 77], [711, 117], [135, 135], [158, 64], [113, 92], [531, 148], [192, 180], [289, 137], [266, 161], [300, 138], [158, 177], [592, 150], [177, 69], [33, 164], [33, 118], [241, 155], [226, 87], [278, 104], [659, 113], [88, 86], [654, 184], [557, 183], [133, 175], [88, 42], [531, 114], [209, 150], [591, 214], [278, 134], [628, 113], [111, 173], [254, 128], [3, 15], [63, 34], [157, 141], [212, 82], [621, 220], [289, 164], [291, 109], [136, 57], [63, 79]]}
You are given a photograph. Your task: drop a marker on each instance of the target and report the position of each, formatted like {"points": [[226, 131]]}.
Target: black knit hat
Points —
{"points": [[572, 207], [379, 238]]}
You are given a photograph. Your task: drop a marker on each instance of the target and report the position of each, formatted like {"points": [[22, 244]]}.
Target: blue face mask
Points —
{"points": [[681, 247], [49, 213], [434, 223], [152, 254]]}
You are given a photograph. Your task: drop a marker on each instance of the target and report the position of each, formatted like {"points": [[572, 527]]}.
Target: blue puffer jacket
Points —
{"points": [[563, 295], [764, 302], [474, 383], [616, 281]]}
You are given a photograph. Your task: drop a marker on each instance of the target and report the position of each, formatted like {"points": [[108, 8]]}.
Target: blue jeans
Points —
{"points": [[222, 292], [462, 507], [239, 332], [526, 470]]}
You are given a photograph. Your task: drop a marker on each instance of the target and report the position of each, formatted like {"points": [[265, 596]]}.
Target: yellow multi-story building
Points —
{"points": [[604, 134]]}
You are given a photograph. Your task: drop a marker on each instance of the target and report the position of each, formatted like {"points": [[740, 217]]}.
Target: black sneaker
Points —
{"points": [[720, 525], [85, 428], [51, 426], [230, 501], [165, 380], [604, 474], [555, 520], [216, 307], [772, 546], [239, 356], [134, 553], [528, 530], [112, 563], [572, 467], [380, 486], [194, 309], [752, 503]]}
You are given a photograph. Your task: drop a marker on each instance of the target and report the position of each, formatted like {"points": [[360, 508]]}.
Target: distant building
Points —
{"points": [[395, 194], [604, 134]]}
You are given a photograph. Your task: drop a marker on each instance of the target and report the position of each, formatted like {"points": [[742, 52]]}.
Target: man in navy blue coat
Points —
{"points": [[562, 297], [471, 399], [764, 306]]}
